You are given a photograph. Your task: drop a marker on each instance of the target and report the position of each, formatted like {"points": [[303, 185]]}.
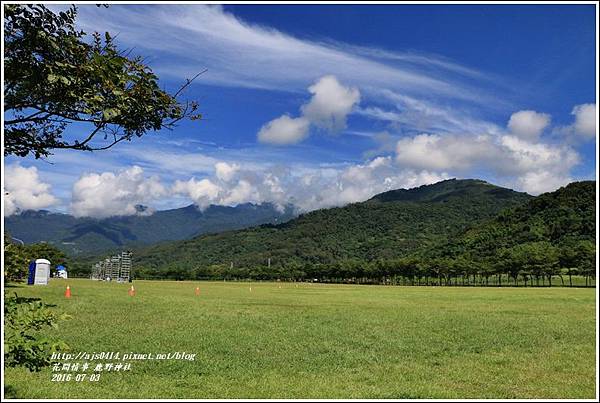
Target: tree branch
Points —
{"points": [[25, 119], [188, 82]]}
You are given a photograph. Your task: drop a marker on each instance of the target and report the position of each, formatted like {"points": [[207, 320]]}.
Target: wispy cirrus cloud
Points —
{"points": [[413, 114], [238, 53]]}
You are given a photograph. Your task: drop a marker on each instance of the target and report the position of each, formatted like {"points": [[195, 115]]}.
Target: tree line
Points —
{"points": [[530, 265], [17, 257]]}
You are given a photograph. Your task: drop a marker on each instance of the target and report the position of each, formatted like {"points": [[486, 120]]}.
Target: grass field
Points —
{"points": [[324, 341]]}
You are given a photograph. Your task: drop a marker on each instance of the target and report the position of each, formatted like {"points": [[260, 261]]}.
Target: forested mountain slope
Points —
{"points": [[563, 219], [390, 225]]}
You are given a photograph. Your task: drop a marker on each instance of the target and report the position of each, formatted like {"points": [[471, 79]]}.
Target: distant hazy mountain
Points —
{"points": [[80, 236]]}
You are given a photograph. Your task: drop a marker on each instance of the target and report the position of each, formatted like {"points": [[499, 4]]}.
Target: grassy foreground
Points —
{"points": [[324, 341]]}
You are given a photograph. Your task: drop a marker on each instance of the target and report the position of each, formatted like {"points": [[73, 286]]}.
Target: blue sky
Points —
{"points": [[322, 105]]}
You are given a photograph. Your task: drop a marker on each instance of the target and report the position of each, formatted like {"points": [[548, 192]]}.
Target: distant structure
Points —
{"points": [[113, 268], [61, 271]]}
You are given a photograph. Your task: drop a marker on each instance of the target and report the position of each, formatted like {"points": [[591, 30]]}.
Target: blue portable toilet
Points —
{"points": [[31, 274]]}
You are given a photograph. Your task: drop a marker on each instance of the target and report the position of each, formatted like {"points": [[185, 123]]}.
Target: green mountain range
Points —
{"points": [[564, 219], [388, 226], [84, 236]]}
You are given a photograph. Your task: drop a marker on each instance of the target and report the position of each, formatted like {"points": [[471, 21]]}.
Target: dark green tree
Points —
{"points": [[578, 257], [16, 259], [537, 259]]}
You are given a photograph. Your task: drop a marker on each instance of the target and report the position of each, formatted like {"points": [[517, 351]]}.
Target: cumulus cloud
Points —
{"points": [[23, 190], [225, 171], [108, 194], [242, 192], [585, 120], [583, 127], [516, 161], [528, 125], [305, 188], [328, 108], [203, 192], [538, 182], [362, 181], [284, 130], [515, 156], [449, 152], [330, 104]]}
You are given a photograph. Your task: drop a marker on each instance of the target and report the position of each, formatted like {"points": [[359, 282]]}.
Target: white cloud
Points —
{"points": [[203, 192], [169, 160], [109, 194], [516, 161], [23, 190], [362, 181], [528, 125], [284, 130], [243, 192], [307, 188], [330, 104], [585, 120], [328, 108], [418, 115], [538, 182], [515, 156], [425, 92], [225, 171], [449, 152], [584, 126]]}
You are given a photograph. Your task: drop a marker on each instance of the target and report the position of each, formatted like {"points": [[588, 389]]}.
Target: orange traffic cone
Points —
{"points": [[197, 291], [131, 291], [68, 292]]}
